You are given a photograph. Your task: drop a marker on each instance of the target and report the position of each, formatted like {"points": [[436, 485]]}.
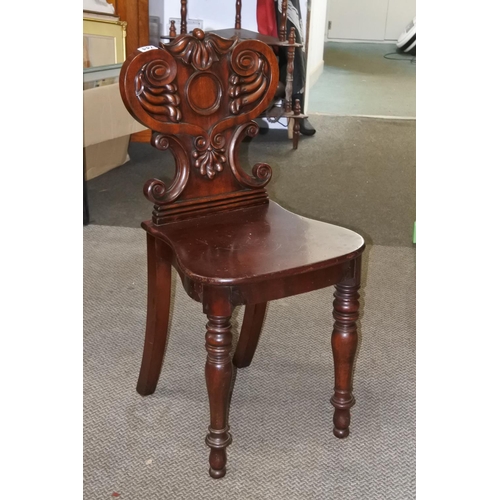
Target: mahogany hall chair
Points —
{"points": [[215, 224]]}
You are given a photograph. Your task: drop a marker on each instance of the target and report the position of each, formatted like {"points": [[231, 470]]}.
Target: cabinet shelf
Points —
{"points": [[253, 35]]}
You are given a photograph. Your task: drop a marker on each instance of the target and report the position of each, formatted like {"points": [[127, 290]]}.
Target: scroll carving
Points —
{"points": [[198, 49], [249, 82], [262, 172], [156, 190], [156, 92]]}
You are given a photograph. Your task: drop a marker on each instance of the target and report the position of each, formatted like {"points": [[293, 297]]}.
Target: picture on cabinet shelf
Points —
{"points": [[103, 42]]}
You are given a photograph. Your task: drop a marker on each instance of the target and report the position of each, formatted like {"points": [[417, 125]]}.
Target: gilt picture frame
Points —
{"points": [[103, 42]]}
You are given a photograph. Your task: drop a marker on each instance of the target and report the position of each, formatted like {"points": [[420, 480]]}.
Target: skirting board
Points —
{"points": [[348, 40], [314, 75], [384, 117]]}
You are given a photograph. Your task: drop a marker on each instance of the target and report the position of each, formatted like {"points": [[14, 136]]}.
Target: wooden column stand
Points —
{"points": [[289, 80], [296, 124], [183, 17], [237, 21], [173, 32], [282, 28]]}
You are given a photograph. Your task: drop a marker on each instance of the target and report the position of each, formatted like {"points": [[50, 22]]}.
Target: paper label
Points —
{"points": [[146, 48]]}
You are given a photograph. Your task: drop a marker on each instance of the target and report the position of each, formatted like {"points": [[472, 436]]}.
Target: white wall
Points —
{"points": [[219, 14], [156, 8], [215, 14], [316, 46], [98, 6]]}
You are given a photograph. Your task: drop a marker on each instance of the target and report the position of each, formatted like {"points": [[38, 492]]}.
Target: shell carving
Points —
{"points": [[210, 159], [200, 50]]}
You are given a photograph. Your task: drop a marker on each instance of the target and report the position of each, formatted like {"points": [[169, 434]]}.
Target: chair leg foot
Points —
{"points": [[344, 343], [218, 459], [218, 376], [340, 433], [217, 473], [342, 415], [155, 344]]}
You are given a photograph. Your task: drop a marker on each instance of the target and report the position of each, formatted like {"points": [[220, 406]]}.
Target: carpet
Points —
{"points": [[281, 417], [358, 80]]}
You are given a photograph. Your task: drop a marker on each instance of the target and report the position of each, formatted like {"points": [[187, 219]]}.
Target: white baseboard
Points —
{"points": [[314, 75], [311, 79], [344, 40], [385, 117]]}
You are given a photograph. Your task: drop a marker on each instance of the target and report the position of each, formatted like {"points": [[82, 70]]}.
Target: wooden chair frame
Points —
{"points": [[215, 224]]}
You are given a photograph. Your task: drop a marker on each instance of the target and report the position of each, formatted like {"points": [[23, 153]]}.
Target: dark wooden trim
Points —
{"points": [[143, 136], [136, 14]]}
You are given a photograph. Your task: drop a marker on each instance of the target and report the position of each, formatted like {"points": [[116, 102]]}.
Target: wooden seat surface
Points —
{"points": [[254, 244]]}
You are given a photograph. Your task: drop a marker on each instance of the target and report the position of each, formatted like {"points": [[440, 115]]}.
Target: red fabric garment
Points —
{"points": [[266, 18]]}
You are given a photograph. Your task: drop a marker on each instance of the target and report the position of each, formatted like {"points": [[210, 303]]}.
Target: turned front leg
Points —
{"points": [[344, 343], [218, 375]]}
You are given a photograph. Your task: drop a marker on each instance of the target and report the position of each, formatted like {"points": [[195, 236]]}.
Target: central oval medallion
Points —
{"points": [[204, 92]]}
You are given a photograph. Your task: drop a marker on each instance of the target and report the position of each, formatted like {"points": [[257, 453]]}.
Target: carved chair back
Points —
{"points": [[199, 94]]}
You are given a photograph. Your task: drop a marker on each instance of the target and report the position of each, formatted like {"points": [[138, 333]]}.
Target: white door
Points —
{"points": [[375, 20], [357, 19], [399, 15]]}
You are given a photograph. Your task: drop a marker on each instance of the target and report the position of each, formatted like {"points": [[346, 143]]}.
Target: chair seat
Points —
{"points": [[254, 244]]}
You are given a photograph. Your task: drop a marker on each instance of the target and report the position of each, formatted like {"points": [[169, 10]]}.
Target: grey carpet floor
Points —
{"points": [[358, 80], [355, 172], [281, 417]]}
